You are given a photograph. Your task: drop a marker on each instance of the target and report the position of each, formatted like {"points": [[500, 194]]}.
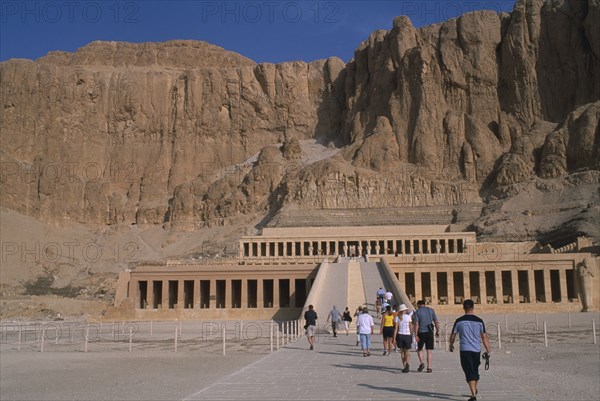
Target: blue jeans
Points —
{"points": [[365, 341]]}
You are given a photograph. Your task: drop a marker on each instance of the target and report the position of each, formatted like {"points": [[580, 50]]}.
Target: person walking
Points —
{"points": [[356, 315], [395, 313], [347, 320], [365, 324], [311, 325], [387, 330], [381, 293], [334, 317], [403, 332], [425, 322], [471, 330]]}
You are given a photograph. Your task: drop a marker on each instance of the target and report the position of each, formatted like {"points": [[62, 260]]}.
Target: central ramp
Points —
{"points": [[351, 282]]}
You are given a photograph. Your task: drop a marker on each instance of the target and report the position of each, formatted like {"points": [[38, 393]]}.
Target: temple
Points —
{"points": [[279, 271]]}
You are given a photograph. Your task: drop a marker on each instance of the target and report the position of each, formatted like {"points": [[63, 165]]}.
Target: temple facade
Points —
{"points": [[274, 272]]}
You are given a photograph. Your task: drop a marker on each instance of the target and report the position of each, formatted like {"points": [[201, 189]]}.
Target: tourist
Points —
{"points": [[387, 330], [395, 313], [347, 320], [378, 304], [388, 297], [403, 332], [425, 321], [356, 315], [365, 324], [334, 317], [471, 330], [311, 325], [381, 293]]}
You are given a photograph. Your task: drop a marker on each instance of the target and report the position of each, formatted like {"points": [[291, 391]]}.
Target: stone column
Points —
{"points": [[467, 284], [150, 294], [196, 295], [260, 302], [275, 292], [259, 249], [564, 295], [434, 288], [165, 294], [514, 276], [134, 292], [180, 298], [499, 289], [228, 293], [450, 287], [482, 287], [212, 302], [547, 287], [327, 248], [418, 285], [244, 294], [409, 249], [402, 280], [531, 284]]}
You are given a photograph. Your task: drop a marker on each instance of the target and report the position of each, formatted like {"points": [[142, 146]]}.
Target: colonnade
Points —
{"points": [[261, 247], [227, 293], [504, 285]]}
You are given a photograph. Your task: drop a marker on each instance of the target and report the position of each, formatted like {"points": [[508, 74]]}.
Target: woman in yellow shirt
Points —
{"points": [[387, 330]]}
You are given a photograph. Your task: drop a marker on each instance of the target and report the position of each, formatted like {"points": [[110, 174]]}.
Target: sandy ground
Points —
{"points": [[568, 369]]}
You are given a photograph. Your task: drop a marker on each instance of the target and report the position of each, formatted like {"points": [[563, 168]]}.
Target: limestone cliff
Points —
{"points": [[478, 108]]}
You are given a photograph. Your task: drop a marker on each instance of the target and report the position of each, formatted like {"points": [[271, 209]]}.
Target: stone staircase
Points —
{"points": [[372, 280], [356, 292], [347, 282]]}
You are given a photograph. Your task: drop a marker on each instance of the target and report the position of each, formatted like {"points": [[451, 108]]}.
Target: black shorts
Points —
{"points": [[404, 341], [470, 361], [388, 332], [425, 339]]}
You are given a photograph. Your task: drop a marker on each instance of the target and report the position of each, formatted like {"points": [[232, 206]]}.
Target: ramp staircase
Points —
{"points": [[348, 282]]}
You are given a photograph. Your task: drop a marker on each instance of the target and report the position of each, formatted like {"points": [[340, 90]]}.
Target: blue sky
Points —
{"points": [[263, 30]]}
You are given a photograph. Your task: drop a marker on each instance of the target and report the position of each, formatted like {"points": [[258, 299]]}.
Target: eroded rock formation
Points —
{"points": [[478, 108]]}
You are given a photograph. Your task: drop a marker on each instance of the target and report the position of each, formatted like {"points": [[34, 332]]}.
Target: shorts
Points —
{"points": [[425, 339], [311, 330], [404, 341], [470, 361], [388, 332]]}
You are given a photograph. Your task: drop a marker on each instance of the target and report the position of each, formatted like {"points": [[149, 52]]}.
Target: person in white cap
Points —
{"points": [[403, 333]]}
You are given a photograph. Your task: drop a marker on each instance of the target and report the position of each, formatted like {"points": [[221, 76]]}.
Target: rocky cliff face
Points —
{"points": [[474, 109]]}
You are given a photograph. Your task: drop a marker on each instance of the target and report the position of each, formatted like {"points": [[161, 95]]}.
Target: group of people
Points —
{"points": [[399, 326]]}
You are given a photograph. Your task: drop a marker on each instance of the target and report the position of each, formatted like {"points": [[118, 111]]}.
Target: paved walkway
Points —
{"points": [[336, 370]]}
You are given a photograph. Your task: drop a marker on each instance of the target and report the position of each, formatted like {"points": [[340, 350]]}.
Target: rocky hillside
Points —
{"points": [[484, 109]]}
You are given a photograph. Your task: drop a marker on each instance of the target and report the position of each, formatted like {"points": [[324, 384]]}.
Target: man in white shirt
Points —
{"points": [[365, 330]]}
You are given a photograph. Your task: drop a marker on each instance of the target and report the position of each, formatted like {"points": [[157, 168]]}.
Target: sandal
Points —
{"points": [[421, 367], [429, 370]]}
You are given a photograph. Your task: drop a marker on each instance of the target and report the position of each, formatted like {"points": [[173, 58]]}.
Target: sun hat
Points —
{"points": [[403, 308]]}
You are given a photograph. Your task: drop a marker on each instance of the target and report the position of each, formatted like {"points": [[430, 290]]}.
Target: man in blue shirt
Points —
{"points": [[471, 330]]}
